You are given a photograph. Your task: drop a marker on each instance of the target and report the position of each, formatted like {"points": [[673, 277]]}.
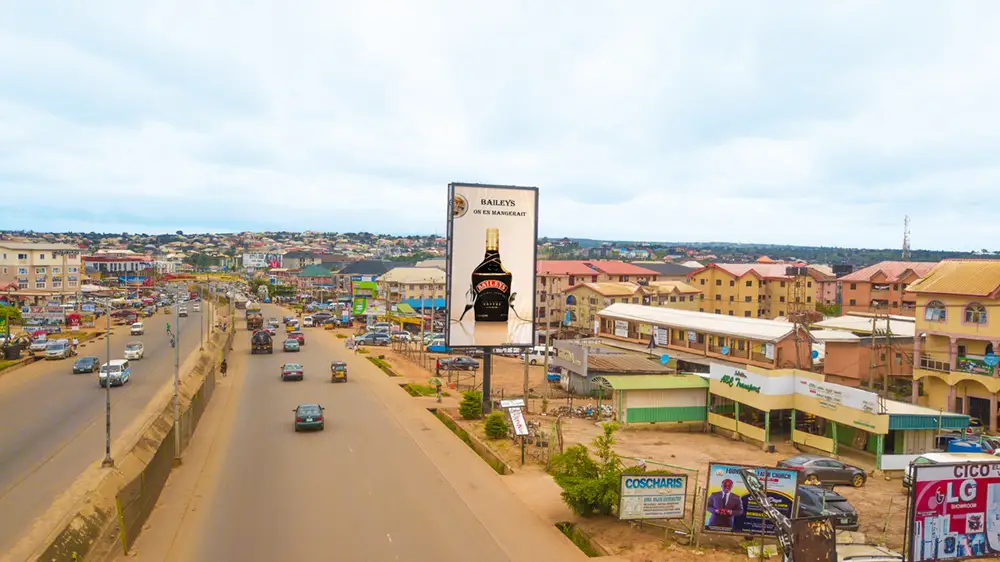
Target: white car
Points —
{"points": [[134, 350], [137, 329], [196, 307], [182, 311]]}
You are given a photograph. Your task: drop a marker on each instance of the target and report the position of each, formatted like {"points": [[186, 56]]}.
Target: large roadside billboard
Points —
{"points": [[955, 511], [731, 509], [492, 244]]}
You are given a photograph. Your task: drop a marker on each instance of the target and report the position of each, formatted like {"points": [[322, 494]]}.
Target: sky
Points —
{"points": [[808, 123]]}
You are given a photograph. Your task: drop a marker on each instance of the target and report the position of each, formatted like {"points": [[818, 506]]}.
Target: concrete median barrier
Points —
{"points": [[104, 511]]}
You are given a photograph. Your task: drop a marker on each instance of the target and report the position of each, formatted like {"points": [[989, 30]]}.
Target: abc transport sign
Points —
{"points": [[955, 511], [652, 496]]}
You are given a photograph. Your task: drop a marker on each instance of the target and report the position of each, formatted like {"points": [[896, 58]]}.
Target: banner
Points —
{"points": [[956, 511], [491, 260], [652, 496], [731, 509]]}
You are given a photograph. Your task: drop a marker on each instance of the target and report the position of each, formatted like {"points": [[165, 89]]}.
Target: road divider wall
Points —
{"points": [[112, 514], [482, 449]]}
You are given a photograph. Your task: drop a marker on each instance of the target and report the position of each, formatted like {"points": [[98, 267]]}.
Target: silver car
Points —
{"points": [[59, 349]]}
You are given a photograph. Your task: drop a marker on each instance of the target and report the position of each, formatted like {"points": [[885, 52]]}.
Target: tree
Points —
{"points": [[496, 425], [590, 486], [12, 312], [471, 407]]}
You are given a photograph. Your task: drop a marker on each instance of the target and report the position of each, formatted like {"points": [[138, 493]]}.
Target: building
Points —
{"points": [[120, 268], [555, 276], [584, 301], [439, 263], [695, 337], [41, 271], [882, 286], [850, 359], [758, 290], [958, 338], [667, 271], [299, 260], [402, 283], [361, 270], [312, 277]]}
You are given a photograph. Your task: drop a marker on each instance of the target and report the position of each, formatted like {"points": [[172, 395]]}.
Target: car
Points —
{"points": [[134, 350], [866, 553], [87, 364], [291, 344], [39, 345], [286, 319], [119, 372], [292, 372], [196, 307], [816, 501], [58, 349], [182, 311], [309, 416], [828, 471], [301, 336], [338, 371], [373, 338], [402, 336], [271, 329], [137, 329], [459, 363]]}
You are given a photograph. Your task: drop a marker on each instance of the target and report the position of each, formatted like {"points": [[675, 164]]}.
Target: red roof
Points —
{"points": [[563, 267], [591, 267], [613, 267], [761, 270], [892, 270]]}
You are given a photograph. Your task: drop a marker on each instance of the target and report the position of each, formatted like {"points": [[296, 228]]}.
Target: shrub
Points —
{"points": [[496, 425], [363, 351], [342, 336], [590, 486], [384, 365], [471, 407]]}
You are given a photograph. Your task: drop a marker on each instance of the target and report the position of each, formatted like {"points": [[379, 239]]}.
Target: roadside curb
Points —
{"points": [[24, 362]]}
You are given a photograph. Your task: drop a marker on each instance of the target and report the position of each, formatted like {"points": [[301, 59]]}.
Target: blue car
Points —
{"points": [[292, 344]]}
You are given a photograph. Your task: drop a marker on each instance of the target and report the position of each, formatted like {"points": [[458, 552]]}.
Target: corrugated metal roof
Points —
{"points": [[625, 363], [961, 277], [834, 335], [753, 328], [862, 325], [655, 382], [903, 416], [892, 270], [414, 275]]}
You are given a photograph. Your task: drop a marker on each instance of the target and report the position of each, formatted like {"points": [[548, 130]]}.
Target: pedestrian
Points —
{"points": [[223, 367], [437, 387], [76, 343]]}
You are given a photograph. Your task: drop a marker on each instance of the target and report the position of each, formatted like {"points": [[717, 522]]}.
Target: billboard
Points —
{"points": [[492, 243], [955, 511], [731, 509], [262, 260], [652, 496]]}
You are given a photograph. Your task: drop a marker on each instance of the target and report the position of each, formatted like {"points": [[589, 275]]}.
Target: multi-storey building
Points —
{"points": [[757, 290], [402, 283], [40, 270], [299, 260], [586, 300], [958, 314], [555, 276], [119, 268], [882, 287]]}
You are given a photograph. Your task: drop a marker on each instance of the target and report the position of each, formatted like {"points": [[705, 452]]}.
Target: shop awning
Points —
{"points": [[903, 416], [655, 382]]}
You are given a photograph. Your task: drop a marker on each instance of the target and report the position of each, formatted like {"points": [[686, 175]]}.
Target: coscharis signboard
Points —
{"points": [[955, 511], [652, 496], [731, 509], [492, 242]]}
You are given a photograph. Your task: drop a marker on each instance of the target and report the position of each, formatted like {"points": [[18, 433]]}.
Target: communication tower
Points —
{"points": [[906, 237]]}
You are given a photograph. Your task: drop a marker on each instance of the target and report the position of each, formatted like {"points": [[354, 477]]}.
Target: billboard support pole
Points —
{"points": [[487, 375]]}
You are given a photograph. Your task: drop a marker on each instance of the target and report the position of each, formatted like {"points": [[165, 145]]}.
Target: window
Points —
{"points": [[853, 302], [717, 311], [701, 310], [57, 283], [718, 297], [673, 299], [22, 271], [701, 297], [782, 283], [747, 299], [781, 299], [731, 298], [936, 312], [809, 283], [895, 304], [854, 286], [747, 314], [56, 270], [593, 279], [781, 313], [809, 299], [731, 313], [39, 284], [702, 281], [40, 271], [635, 300], [749, 283], [22, 256], [718, 282], [975, 313], [22, 284], [41, 256], [732, 283]]}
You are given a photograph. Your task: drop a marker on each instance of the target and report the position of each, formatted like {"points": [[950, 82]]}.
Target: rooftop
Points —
{"points": [[762, 270], [37, 246], [893, 270], [755, 328], [367, 267], [411, 275], [655, 382], [625, 363], [902, 408], [863, 325], [824, 336], [672, 269], [590, 267], [979, 278]]}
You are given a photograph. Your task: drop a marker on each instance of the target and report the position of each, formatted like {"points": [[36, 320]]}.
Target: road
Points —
{"points": [[362, 489], [52, 422]]}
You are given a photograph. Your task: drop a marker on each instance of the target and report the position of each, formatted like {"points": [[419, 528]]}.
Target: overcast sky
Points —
{"points": [[789, 122]]}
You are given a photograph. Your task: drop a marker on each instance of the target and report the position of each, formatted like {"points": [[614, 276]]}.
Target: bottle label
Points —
{"points": [[491, 284]]}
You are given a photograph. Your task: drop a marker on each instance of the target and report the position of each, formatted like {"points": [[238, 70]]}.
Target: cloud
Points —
{"points": [[771, 122]]}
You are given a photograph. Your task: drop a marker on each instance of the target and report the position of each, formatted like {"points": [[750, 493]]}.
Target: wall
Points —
{"points": [[955, 320], [724, 292], [850, 360], [776, 387], [815, 441]]}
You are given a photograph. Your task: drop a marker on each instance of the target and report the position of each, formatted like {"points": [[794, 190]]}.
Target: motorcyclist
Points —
{"points": [[223, 367]]}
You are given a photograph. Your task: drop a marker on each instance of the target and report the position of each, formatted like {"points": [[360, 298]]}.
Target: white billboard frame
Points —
{"points": [[633, 503]]}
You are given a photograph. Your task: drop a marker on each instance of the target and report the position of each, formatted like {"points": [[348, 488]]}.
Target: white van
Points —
{"points": [[536, 355], [137, 329], [118, 372], [307, 321]]}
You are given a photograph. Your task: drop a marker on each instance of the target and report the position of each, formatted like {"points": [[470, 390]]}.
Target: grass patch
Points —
{"points": [[579, 538], [363, 351], [495, 463], [342, 336], [7, 363], [382, 364], [422, 390]]}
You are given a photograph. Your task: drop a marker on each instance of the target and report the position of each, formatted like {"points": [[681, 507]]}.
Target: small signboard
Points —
{"points": [[512, 403], [652, 496], [517, 421]]}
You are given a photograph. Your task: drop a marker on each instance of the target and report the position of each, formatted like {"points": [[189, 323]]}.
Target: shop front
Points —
{"points": [[681, 398], [752, 403]]}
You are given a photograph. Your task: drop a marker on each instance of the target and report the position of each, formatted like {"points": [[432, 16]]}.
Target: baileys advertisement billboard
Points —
{"points": [[492, 243]]}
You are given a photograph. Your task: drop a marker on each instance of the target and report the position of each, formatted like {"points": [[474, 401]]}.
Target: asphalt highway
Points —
{"points": [[363, 489], [52, 422]]}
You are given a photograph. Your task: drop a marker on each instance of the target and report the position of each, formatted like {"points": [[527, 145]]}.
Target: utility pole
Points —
{"points": [[527, 404], [177, 383], [108, 461]]}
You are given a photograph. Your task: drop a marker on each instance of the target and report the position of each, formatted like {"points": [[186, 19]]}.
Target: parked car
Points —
{"points": [[309, 416], [291, 344], [815, 501], [137, 329], [301, 336], [39, 345], [58, 349], [866, 553], [373, 338], [828, 471], [459, 363], [134, 350], [87, 364], [402, 336], [292, 372]]}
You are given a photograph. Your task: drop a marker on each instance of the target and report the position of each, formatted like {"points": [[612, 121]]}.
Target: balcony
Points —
{"points": [[932, 363]]}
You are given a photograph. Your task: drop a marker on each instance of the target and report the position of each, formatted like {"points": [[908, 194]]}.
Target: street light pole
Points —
{"points": [[177, 383], [108, 461]]}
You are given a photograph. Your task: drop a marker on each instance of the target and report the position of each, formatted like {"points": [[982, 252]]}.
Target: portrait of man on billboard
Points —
{"points": [[724, 506]]}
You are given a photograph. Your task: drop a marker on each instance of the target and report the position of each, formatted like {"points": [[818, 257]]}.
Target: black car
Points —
{"points": [[459, 363], [86, 365], [828, 471], [815, 501]]}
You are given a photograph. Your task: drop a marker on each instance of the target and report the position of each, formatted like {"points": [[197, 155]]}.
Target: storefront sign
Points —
{"points": [[652, 496], [568, 356], [645, 329], [750, 381], [517, 421], [621, 328], [739, 380], [661, 335], [731, 509], [973, 365], [692, 336], [834, 396], [769, 351], [956, 511]]}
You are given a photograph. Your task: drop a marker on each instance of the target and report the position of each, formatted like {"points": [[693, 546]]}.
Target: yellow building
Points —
{"points": [[754, 290], [956, 303], [585, 300], [402, 283]]}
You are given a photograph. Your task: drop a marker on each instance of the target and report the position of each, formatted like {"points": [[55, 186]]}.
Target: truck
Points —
{"points": [[261, 342], [255, 322], [240, 302]]}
